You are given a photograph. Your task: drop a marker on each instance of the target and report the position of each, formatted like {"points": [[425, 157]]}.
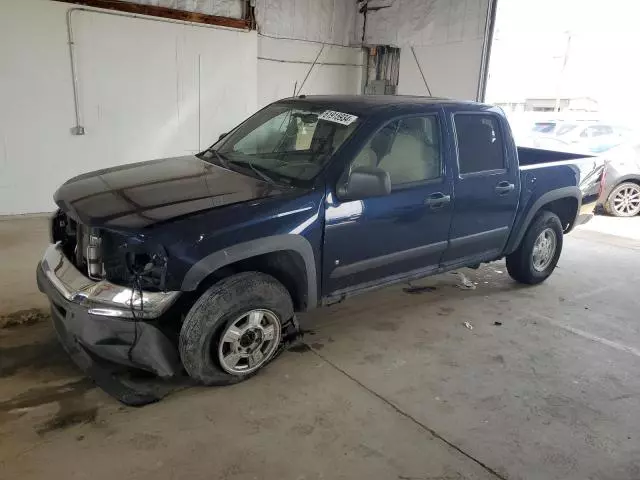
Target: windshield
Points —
{"points": [[286, 142]]}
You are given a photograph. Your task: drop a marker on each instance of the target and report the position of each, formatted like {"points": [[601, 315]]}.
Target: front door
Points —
{"points": [[486, 186], [374, 240]]}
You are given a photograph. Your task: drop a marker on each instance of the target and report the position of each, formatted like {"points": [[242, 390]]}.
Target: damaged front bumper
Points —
{"points": [[108, 321]]}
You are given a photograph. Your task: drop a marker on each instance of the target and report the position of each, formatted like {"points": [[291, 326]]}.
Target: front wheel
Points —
{"points": [[235, 328], [537, 256], [624, 200]]}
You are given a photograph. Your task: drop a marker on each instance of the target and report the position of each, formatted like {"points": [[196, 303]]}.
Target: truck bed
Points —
{"points": [[546, 170]]}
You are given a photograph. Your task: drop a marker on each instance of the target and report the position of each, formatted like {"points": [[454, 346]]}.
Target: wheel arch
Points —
{"points": [[289, 258], [625, 179], [564, 202]]}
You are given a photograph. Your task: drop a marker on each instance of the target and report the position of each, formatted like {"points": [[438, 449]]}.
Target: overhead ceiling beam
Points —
{"points": [[164, 12]]}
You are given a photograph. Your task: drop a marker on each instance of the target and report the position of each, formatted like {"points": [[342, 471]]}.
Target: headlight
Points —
{"points": [[105, 298]]}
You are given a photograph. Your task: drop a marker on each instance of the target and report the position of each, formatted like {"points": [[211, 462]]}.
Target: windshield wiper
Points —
{"points": [[225, 161], [260, 173], [220, 158]]}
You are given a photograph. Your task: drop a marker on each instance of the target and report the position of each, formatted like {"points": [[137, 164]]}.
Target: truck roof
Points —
{"points": [[367, 104]]}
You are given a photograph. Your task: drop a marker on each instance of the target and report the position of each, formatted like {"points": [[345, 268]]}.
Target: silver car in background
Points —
{"points": [[584, 136], [620, 194]]}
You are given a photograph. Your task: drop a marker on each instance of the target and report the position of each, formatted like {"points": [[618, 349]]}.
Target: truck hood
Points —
{"points": [[141, 194]]}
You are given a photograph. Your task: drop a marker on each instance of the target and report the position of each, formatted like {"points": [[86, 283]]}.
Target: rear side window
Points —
{"points": [[479, 143]]}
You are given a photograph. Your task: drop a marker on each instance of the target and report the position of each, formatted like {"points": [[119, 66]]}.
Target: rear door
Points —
{"points": [[486, 187]]}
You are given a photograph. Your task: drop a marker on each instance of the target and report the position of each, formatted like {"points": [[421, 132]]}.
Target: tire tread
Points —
{"points": [[519, 262], [217, 306]]}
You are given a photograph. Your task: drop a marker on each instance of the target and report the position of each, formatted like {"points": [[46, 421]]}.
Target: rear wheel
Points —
{"points": [[624, 200], [235, 328], [537, 256]]}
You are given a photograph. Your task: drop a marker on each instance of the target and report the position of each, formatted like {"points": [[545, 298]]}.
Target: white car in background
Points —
{"points": [[594, 137], [546, 142], [584, 136]]}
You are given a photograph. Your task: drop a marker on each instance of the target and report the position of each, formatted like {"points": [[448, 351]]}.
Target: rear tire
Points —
{"points": [[624, 200], [539, 251], [234, 329]]}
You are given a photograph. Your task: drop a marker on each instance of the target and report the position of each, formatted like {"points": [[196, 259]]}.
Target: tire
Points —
{"points": [[522, 265], [624, 200], [217, 329]]}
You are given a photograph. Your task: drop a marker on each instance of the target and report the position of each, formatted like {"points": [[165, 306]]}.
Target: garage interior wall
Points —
{"points": [[148, 88], [221, 8], [293, 34], [447, 37], [284, 64], [151, 88]]}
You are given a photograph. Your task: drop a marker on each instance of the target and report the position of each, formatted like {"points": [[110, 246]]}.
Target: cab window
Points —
{"points": [[407, 148]]}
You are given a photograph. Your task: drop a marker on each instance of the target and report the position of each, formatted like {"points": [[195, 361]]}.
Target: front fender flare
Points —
{"points": [[216, 260]]}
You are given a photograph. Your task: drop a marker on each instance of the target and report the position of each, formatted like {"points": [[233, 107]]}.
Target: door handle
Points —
{"points": [[437, 200], [504, 187]]}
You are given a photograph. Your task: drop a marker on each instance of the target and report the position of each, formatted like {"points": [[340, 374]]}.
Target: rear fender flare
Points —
{"points": [[560, 193], [241, 251]]}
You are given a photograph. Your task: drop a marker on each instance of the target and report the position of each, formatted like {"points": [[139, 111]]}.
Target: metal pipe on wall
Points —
{"points": [[199, 101], [78, 128]]}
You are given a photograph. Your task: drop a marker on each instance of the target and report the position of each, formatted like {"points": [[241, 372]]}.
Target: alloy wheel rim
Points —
{"points": [[249, 341], [627, 200], [544, 249]]}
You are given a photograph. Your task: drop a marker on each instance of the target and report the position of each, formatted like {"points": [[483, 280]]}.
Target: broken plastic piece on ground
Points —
{"points": [[468, 325], [465, 283], [498, 323]]}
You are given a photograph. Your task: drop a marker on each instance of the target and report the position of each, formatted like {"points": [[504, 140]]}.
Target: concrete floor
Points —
{"points": [[22, 242], [392, 386]]}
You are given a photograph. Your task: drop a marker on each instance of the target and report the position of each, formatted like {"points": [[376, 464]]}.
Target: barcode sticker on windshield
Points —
{"points": [[337, 117]]}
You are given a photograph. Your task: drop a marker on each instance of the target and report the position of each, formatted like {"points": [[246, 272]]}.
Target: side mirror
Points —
{"points": [[365, 182], [222, 135]]}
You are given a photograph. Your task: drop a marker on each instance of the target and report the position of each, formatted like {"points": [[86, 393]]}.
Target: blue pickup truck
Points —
{"points": [[198, 263]]}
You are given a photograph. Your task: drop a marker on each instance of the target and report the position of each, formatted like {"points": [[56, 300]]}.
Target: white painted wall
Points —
{"points": [[283, 63], [147, 90], [330, 21], [223, 8], [451, 70], [447, 36], [291, 36], [152, 89]]}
